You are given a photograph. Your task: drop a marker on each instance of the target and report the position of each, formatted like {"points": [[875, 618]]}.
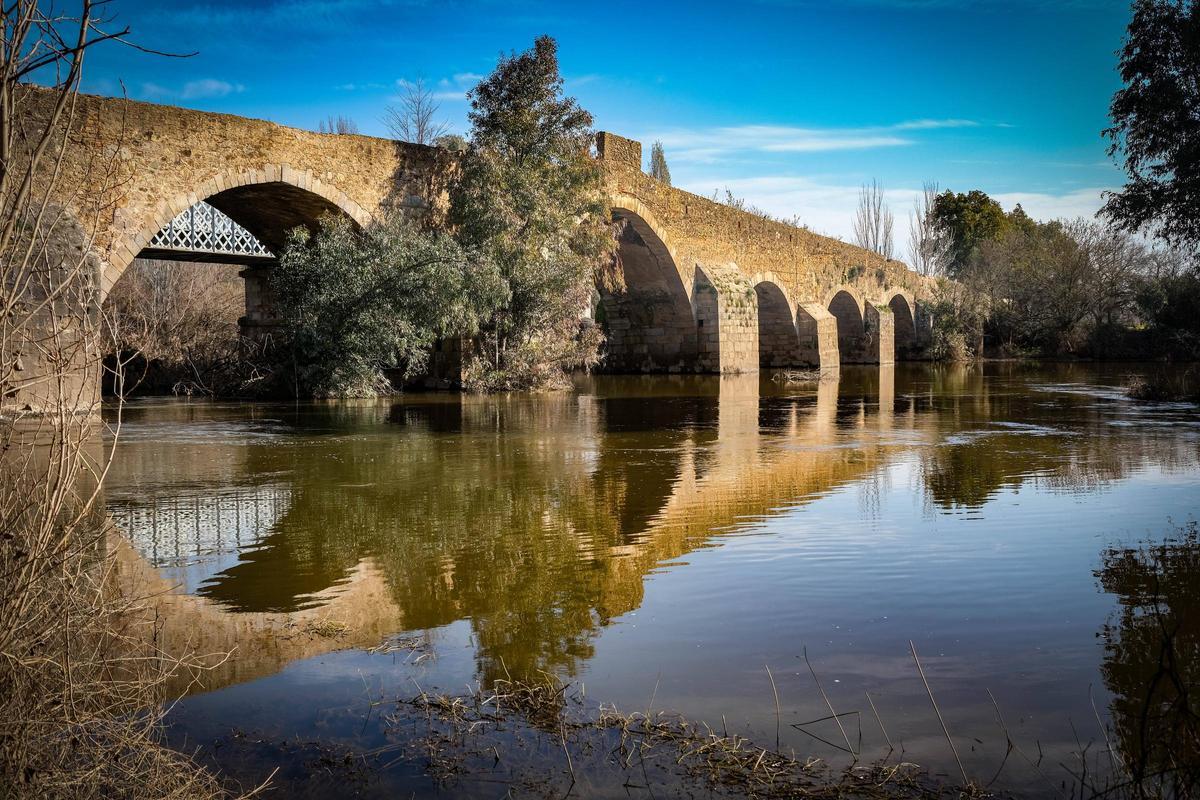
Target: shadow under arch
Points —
{"points": [[848, 308], [778, 340], [903, 308], [648, 321]]}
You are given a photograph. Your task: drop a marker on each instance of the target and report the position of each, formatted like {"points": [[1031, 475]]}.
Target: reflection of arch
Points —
{"points": [[647, 320], [268, 202], [905, 332], [778, 340]]}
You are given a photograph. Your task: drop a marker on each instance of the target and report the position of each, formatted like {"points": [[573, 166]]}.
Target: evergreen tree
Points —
{"points": [[658, 164], [1156, 123], [969, 220], [528, 197]]}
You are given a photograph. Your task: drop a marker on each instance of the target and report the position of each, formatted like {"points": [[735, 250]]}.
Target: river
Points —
{"points": [[664, 540]]}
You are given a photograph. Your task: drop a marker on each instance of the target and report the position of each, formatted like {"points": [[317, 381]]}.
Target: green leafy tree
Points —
{"points": [[356, 303], [1156, 122], [658, 164], [528, 196], [968, 219]]}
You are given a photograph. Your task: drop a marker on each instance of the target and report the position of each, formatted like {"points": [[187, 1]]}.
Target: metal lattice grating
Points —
{"points": [[204, 229]]}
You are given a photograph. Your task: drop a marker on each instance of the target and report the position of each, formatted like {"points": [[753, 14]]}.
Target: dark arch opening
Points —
{"points": [[271, 210], [778, 343], [647, 320], [905, 332], [850, 327]]}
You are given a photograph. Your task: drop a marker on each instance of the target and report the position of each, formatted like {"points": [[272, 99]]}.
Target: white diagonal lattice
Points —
{"points": [[204, 229]]}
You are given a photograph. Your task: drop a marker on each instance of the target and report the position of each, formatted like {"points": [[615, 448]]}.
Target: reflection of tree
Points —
{"points": [[993, 439], [1152, 661], [508, 513]]}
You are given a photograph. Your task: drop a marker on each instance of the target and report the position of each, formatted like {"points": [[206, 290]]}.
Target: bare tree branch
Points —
{"points": [[873, 221], [415, 118]]}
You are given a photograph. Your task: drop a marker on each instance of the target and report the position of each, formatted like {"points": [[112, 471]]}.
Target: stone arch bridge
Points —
{"points": [[707, 288]]}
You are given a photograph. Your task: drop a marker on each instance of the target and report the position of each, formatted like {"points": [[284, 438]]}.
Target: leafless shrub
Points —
{"points": [[928, 244], [873, 222], [415, 118], [339, 125], [81, 671], [178, 322]]}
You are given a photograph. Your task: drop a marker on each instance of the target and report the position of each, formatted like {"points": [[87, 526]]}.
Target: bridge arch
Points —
{"points": [[903, 307], [848, 309], [778, 339], [648, 319], [268, 202], [864, 327]]}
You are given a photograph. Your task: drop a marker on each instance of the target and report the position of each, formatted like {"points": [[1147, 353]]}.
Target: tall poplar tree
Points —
{"points": [[658, 164]]}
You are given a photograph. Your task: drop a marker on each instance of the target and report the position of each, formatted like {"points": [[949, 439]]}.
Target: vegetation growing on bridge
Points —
{"points": [[528, 231], [528, 197]]}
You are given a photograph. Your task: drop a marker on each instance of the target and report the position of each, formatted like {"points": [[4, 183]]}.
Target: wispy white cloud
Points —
{"points": [[711, 144], [192, 90], [210, 87], [360, 87], [932, 124], [453, 89], [1045, 205]]}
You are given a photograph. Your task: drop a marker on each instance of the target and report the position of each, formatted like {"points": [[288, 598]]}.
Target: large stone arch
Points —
{"points": [[648, 319], [268, 201]]}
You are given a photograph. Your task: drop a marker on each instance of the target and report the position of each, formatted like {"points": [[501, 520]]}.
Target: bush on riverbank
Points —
{"points": [[357, 303]]}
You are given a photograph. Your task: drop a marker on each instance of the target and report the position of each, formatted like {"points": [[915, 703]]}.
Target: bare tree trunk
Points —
{"points": [[928, 244], [873, 222]]}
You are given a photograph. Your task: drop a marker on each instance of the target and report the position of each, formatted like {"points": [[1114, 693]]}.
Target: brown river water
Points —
{"points": [[663, 540]]}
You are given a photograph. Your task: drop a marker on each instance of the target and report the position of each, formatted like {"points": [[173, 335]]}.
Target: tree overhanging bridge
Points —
{"points": [[707, 287]]}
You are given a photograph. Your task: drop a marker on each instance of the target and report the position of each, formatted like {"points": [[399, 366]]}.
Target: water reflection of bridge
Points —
{"points": [[538, 518], [196, 528]]}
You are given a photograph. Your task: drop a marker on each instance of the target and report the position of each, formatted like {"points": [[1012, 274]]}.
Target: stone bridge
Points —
{"points": [[707, 288]]}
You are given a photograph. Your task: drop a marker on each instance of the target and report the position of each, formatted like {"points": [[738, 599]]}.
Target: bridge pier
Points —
{"points": [[261, 318], [726, 309]]}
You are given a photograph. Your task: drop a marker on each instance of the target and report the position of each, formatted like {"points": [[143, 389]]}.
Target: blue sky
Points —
{"points": [[792, 105]]}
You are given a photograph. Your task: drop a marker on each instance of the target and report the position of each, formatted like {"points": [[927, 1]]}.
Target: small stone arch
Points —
{"points": [[846, 306], [778, 339], [906, 341], [233, 193], [648, 319]]}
